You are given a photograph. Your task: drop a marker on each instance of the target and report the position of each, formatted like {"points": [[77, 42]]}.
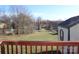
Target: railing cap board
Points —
{"points": [[46, 43]]}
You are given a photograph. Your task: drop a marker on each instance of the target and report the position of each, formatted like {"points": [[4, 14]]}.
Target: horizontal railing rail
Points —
{"points": [[17, 47]]}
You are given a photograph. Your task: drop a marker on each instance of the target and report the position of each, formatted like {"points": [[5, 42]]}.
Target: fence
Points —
{"points": [[37, 47]]}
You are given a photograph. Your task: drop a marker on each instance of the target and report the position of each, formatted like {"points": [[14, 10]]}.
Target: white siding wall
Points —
{"points": [[74, 36], [74, 33], [65, 33]]}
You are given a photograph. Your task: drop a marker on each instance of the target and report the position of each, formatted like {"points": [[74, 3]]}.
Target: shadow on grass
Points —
{"points": [[53, 33]]}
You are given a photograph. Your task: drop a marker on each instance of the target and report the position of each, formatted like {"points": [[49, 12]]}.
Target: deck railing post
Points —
{"points": [[57, 49], [21, 49], [26, 49], [41, 49], [72, 49], [12, 49], [7, 49], [2, 49], [35, 49], [31, 49], [78, 49], [51, 49], [68, 50], [16, 49], [46, 49], [62, 49]]}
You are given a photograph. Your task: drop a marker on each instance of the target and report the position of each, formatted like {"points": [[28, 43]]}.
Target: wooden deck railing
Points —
{"points": [[37, 47]]}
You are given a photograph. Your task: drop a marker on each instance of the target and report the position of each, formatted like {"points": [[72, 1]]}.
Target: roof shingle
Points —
{"points": [[70, 22]]}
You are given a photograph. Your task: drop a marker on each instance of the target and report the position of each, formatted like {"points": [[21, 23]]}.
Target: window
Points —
{"points": [[61, 35]]}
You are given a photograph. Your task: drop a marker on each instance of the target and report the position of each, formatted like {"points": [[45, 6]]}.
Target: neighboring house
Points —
{"points": [[2, 28], [69, 30]]}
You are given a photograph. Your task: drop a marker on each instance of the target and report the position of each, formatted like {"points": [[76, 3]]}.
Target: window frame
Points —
{"points": [[61, 35]]}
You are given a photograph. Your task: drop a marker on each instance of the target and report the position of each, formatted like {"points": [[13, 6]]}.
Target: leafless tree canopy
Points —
{"points": [[18, 19]]}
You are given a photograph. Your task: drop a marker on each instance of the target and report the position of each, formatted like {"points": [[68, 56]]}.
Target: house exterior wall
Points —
{"points": [[74, 36], [65, 33], [74, 33], [65, 37]]}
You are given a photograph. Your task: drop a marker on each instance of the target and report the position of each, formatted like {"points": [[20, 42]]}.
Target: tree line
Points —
{"points": [[18, 19]]}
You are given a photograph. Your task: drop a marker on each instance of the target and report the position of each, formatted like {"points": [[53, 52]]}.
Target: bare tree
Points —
{"points": [[39, 23], [23, 19]]}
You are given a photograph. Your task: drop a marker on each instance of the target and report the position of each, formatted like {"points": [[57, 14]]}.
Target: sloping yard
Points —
{"points": [[43, 35]]}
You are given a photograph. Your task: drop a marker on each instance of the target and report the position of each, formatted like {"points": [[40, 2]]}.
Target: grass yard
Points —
{"points": [[43, 35]]}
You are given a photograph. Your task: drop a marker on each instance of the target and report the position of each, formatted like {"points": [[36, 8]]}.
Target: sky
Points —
{"points": [[50, 12], [54, 12]]}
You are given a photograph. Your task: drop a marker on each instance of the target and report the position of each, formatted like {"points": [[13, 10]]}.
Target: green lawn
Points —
{"points": [[43, 35]]}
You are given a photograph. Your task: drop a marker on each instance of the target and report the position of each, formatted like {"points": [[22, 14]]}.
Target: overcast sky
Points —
{"points": [[51, 12]]}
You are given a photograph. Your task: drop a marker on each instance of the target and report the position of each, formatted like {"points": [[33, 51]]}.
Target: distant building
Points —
{"points": [[3, 27]]}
